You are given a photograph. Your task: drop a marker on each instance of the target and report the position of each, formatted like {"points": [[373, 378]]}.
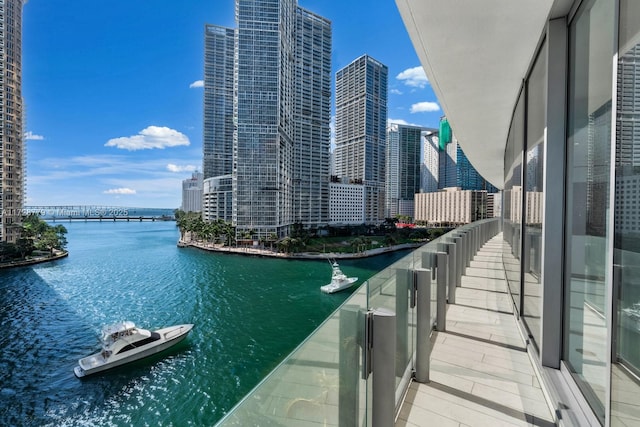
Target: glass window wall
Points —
{"points": [[625, 375], [534, 196], [591, 41], [512, 203]]}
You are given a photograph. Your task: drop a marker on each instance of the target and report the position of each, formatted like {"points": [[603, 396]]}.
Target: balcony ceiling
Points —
{"points": [[476, 55]]}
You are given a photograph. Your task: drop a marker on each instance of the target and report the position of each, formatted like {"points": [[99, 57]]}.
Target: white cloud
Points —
{"points": [[197, 83], [176, 168], [120, 191], [395, 92], [425, 107], [414, 77], [401, 122], [149, 138], [32, 136]]}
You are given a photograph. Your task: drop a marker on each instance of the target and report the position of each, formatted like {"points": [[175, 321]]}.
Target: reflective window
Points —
{"points": [[512, 203], [587, 198], [625, 375], [533, 180]]}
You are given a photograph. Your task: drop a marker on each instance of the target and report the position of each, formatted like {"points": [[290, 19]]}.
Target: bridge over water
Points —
{"points": [[99, 213]]}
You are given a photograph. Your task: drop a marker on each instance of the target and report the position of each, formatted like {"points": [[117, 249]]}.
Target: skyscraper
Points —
{"points": [[445, 165], [312, 114], [430, 161], [11, 120], [280, 93], [217, 127], [402, 169], [361, 121]]}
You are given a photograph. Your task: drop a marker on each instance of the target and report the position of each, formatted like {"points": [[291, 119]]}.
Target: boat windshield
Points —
{"points": [[112, 333]]}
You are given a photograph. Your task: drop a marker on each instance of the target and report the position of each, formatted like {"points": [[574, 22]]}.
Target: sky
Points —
{"points": [[113, 91]]}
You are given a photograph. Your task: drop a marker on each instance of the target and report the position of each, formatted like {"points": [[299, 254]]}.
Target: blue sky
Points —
{"points": [[113, 104]]}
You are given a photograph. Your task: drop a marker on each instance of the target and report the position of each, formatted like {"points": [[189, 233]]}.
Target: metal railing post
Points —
{"points": [[450, 249], [423, 327], [459, 255], [441, 301], [384, 381], [467, 251], [403, 281], [348, 358]]}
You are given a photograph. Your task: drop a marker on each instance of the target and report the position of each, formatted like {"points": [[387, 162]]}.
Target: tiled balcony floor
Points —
{"points": [[480, 373]]}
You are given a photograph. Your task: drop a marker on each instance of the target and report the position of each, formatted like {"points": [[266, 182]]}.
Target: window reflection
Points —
{"points": [[534, 167], [512, 203], [625, 375], [588, 180]]}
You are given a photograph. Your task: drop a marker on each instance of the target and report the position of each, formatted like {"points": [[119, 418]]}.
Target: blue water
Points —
{"points": [[249, 314]]}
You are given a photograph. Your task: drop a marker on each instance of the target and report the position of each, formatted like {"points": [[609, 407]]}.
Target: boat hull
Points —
{"points": [[98, 363], [337, 287]]}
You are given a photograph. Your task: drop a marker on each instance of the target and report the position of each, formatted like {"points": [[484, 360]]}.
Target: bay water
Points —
{"points": [[249, 313]]}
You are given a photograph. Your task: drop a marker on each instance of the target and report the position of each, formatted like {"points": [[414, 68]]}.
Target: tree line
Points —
{"points": [[35, 234]]}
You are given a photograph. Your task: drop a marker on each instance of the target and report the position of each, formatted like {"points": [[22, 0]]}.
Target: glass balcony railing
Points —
{"points": [[326, 380]]}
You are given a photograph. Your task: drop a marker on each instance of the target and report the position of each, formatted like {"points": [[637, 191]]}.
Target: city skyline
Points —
{"points": [[114, 106]]}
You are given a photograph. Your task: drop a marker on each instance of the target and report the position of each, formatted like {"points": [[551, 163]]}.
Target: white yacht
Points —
{"points": [[339, 281], [123, 342]]}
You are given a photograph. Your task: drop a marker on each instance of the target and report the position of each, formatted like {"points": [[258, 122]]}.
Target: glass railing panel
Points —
{"points": [[320, 383]]}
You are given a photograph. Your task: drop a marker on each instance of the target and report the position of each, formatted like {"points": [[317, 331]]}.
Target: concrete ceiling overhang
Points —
{"points": [[476, 54]]}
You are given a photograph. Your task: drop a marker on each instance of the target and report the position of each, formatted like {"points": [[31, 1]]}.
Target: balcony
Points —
{"points": [[431, 340]]}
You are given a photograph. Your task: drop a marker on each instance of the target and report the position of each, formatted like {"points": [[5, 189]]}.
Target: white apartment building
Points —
{"points": [[192, 193], [217, 198], [450, 207], [347, 203]]}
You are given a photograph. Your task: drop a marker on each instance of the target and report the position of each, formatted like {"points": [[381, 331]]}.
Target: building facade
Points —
{"points": [[402, 169], [276, 108], [430, 161], [450, 207], [561, 139], [217, 198], [347, 203], [312, 113], [361, 122], [12, 167], [192, 193], [218, 126]]}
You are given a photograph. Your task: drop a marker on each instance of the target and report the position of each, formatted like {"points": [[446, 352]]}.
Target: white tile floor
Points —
{"points": [[480, 372]]}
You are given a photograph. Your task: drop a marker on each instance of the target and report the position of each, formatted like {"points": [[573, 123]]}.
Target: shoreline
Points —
{"points": [[256, 252], [32, 261]]}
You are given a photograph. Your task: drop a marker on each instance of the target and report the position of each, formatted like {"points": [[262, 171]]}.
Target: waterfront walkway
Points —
{"points": [[481, 374], [262, 252]]}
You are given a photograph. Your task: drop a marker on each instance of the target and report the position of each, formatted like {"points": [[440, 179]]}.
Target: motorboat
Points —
{"points": [[124, 342], [339, 280]]}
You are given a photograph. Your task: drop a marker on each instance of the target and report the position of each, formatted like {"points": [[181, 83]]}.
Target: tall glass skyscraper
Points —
{"points": [[402, 169], [11, 120], [361, 122], [279, 152], [218, 123], [312, 114]]}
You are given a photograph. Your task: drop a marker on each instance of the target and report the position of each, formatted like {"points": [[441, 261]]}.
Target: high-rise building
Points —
{"points": [[402, 169], [217, 129], [312, 116], [361, 121], [192, 193], [429, 167], [467, 177], [445, 165], [11, 120], [447, 156], [280, 93]]}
